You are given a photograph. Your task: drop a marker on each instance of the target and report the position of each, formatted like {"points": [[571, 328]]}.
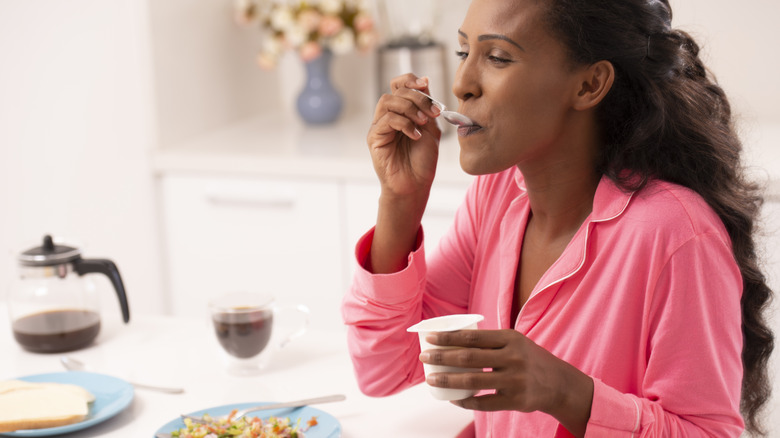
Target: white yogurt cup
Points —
{"points": [[446, 323]]}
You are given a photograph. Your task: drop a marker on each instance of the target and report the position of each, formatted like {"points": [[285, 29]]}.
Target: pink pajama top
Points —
{"points": [[645, 299]]}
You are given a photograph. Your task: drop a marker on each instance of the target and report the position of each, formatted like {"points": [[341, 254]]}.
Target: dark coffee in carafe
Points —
{"points": [[57, 331]]}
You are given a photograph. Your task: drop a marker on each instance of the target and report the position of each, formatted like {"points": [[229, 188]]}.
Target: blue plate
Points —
{"points": [[112, 395], [327, 426]]}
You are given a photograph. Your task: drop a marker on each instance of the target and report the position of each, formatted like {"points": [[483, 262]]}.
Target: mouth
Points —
{"points": [[466, 130], [465, 124]]}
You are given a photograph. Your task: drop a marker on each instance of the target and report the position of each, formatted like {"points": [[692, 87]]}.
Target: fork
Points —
{"points": [[452, 117], [290, 404]]}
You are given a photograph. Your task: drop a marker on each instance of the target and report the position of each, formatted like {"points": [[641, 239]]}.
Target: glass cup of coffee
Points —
{"points": [[244, 326]]}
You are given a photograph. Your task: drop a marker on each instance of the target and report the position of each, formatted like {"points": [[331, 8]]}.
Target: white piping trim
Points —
{"points": [[585, 245], [638, 413]]}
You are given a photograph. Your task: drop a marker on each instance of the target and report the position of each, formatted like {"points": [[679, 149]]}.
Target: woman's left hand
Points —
{"points": [[525, 376]]}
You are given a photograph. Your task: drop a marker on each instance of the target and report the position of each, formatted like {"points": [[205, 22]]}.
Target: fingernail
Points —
{"points": [[435, 109], [422, 81], [425, 356], [417, 133], [422, 116]]}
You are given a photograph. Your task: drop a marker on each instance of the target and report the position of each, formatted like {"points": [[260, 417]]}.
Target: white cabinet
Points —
{"points": [[293, 238], [257, 234], [270, 205]]}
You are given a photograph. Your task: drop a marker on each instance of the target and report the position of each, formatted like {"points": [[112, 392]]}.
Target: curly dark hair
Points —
{"points": [[667, 118]]}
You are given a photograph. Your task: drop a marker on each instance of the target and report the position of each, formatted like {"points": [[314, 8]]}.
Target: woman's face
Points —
{"points": [[515, 82]]}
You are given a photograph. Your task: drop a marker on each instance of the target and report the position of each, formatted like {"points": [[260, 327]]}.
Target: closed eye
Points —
{"points": [[462, 55], [498, 60]]}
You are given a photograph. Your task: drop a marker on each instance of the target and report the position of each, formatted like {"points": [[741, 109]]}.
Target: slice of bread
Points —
{"points": [[14, 385], [25, 405]]}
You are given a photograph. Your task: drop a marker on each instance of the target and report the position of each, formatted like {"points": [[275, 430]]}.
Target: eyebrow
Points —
{"points": [[493, 36]]}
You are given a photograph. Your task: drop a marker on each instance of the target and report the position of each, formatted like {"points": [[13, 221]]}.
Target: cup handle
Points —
{"points": [[300, 329]]}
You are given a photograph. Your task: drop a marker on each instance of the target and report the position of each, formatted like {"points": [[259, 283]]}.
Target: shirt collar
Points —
{"points": [[609, 202]]}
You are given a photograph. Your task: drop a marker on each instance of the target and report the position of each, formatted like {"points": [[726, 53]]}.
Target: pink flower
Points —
{"points": [[308, 27], [330, 25], [363, 22], [310, 51]]}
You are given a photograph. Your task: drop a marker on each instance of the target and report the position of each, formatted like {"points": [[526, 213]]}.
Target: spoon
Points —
{"points": [[453, 117], [291, 404], [73, 364]]}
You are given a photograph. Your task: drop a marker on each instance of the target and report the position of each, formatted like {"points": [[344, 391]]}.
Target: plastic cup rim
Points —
{"points": [[469, 319]]}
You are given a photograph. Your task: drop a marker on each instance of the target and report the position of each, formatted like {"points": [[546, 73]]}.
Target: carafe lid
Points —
{"points": [[49, 254]]}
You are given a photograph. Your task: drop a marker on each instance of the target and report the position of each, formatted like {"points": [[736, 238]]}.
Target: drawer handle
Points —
{"points": [[262, 202]]}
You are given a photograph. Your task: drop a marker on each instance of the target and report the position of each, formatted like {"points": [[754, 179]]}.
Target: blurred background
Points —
{"points": [[145, 132]]}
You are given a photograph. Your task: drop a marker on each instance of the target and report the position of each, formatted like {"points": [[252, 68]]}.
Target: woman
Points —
{"points": [[607, 238]]}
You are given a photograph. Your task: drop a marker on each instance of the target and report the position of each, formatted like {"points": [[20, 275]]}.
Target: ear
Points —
{"points": [[597, 80]]}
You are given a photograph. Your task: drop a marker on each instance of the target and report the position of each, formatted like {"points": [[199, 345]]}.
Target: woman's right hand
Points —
{"points": [[404, 139], [404, 145]]}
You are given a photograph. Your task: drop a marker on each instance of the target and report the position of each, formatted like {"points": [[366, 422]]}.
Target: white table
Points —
{"points": [[183, 351]]}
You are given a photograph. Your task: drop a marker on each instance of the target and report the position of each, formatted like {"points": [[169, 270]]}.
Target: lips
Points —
{"points": [[470, 129]]}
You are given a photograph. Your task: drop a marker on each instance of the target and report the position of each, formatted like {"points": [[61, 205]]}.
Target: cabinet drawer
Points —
{"points": [[270, 235]]}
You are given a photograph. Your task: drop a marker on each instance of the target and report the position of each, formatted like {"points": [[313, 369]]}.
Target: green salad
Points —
{"points": [[245, 427]]}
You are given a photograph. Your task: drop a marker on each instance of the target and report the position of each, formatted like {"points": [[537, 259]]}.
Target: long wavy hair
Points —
{"points": [[667, 118]]}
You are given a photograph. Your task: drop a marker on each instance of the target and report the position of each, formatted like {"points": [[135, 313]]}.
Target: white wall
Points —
{"points": [[76, 129], [204, 68], [738, 42]]}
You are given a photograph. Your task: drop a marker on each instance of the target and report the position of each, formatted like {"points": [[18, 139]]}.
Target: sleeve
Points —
{"points": [[692, 381], [379, 308]]}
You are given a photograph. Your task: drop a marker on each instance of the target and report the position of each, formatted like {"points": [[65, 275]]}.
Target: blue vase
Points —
{"points": [[319, 103]]}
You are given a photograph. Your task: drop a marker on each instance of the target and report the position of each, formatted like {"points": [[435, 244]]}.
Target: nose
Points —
{"points": [[466, 85]]}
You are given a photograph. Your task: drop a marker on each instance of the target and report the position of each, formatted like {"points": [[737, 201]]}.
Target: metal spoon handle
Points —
{"points": [[165, 389], [452, 117], [433, 101]]}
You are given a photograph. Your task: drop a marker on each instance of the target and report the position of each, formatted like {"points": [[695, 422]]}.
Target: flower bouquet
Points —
{"points": [[308, 27]]}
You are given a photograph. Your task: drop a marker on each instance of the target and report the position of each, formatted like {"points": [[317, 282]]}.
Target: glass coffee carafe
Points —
{"points": [[53, 303]]}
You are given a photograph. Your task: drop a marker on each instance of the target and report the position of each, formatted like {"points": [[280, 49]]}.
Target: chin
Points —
{"points": [[474, 165], [466, 164], [477, 157]]}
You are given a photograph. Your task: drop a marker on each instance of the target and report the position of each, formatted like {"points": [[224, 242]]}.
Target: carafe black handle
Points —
{"points": [[107, 267]]}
